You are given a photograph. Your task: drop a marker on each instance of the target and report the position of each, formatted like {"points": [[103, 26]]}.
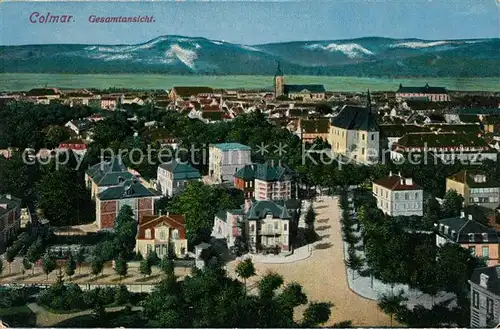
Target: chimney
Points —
{"points": [[399, 173], [390, 173], [248, 204], [402, 181], [409, 181], [469, 216], [168, 213], [462, 214], [483, 280]]}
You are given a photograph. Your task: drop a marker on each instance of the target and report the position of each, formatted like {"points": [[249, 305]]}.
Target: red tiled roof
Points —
{"points": [[150, 222], [396, 183]]}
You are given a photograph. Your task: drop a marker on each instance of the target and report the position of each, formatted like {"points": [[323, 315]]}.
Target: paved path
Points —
{"points": [[45, 318], [323, 275]]}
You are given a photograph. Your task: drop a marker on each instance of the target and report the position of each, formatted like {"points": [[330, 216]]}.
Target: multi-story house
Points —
{"points": [[166, 235], [174, 175], [226, 159], [79, 127], [310, 130], [264, 181], [10, 219], [428, 93], [446, 146], [354, 133], [485, 297], [44, 95], [130, 192], [475, 187], [265, 226], [398, 196], [481, 240], [79, 146], [109, 102], [106, 174]]}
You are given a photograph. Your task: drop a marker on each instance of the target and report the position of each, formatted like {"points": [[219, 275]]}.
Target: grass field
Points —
{"points": [[26, 81]]}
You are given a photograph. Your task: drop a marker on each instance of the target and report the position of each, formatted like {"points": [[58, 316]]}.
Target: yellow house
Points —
{"points": [[475, 187], [354, 133], [166, 235]]}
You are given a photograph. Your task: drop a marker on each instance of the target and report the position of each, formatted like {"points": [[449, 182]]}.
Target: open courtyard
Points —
{"points": [[323, 275]]}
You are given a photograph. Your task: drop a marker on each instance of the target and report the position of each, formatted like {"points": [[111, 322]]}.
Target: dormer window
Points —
{"points": [[471, 237], [446, 229], [175, 234], [485, 237]]}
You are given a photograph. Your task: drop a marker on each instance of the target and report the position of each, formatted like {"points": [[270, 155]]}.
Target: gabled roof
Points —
{"points": [[188, 91], [300, 88], [129, 189], [448, 139], [395, 130], [493, 273], [262, 171], [259, 210], [320, 126], [172, 221], [43, 92], [468, 177], [397, 183], [355, 118], [109, 173], [231, 147], [181, 171], [464, 229], [81, 124], [10, 203], [422, 90]]}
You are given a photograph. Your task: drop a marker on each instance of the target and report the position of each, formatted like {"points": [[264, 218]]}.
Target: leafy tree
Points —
{"points": [[354, 262], [316, 313], [10, 256], [1, 267], [452, 204], [432, 212], [245, 269], [268, 285], [145, 267], [26, 264], [70, 265], [34, 252], [310, 217], [152, 258], [96, 266], [125, 230], [392, 304], [48, 264], [121, 267], [122, 295], [167, 266], [292, 295], [99, 312], [80, 258]]}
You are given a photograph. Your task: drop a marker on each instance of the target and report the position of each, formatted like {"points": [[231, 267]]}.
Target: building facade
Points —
{"points": [[166, 235], [428, 93], [398, 196], [264, 181], [173, 176], [264, 225], [354, 133], [184, 93], [131, 193], [226, 159], [481, 240], [485, 297], [475, 187], [309, 93], [10, 219]]}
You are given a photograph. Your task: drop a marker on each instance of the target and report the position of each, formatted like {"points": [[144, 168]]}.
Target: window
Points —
{"points": [[147, 233], [373, 136], [396, 195], [163, 235], [475, 299], [252, 228], [362, 136], [406, 196], [489, 306], [285, 227], [362, 151], [269, 227], [485, 252], [175, 234], [472, 251], [275, 225], [416, 196]]}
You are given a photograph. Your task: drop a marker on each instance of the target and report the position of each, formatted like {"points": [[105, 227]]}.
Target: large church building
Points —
{"points": [[306, 93]]}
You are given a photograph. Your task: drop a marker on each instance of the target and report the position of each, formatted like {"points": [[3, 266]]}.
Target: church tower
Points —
{"points": [[279, 82]]}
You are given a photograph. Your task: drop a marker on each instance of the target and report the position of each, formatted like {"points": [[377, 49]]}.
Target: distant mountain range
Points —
{"points": [[370, 57]]}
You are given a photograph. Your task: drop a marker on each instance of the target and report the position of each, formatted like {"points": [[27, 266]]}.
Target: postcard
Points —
{"points": [[250, 164]]}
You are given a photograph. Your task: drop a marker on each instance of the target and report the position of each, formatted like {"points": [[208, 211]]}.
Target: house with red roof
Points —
{"points": [[166, 235], [398, 196]]}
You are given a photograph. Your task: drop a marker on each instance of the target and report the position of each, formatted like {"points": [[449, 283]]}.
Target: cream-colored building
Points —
{"points": [[354, 133], [226, 159], [475, 187], [166, 235], [398, 196]]}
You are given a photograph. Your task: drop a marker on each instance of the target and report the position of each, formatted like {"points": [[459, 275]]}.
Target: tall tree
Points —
{"points": [[245, 269], [392, 304], [292, 295], [310, 217], [145, 267], [354, 261], [97, 266], [452, 204], [316, 314], [121, 267], [80, 258], [48, 264], [167, 266], [125, 230], [70, 265], [10, 256]]}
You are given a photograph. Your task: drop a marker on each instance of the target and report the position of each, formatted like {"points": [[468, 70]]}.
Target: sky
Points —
{"points": [[252, 22]]}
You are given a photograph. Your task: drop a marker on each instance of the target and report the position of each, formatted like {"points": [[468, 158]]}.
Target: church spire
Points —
{"points": [[279, 73]]}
